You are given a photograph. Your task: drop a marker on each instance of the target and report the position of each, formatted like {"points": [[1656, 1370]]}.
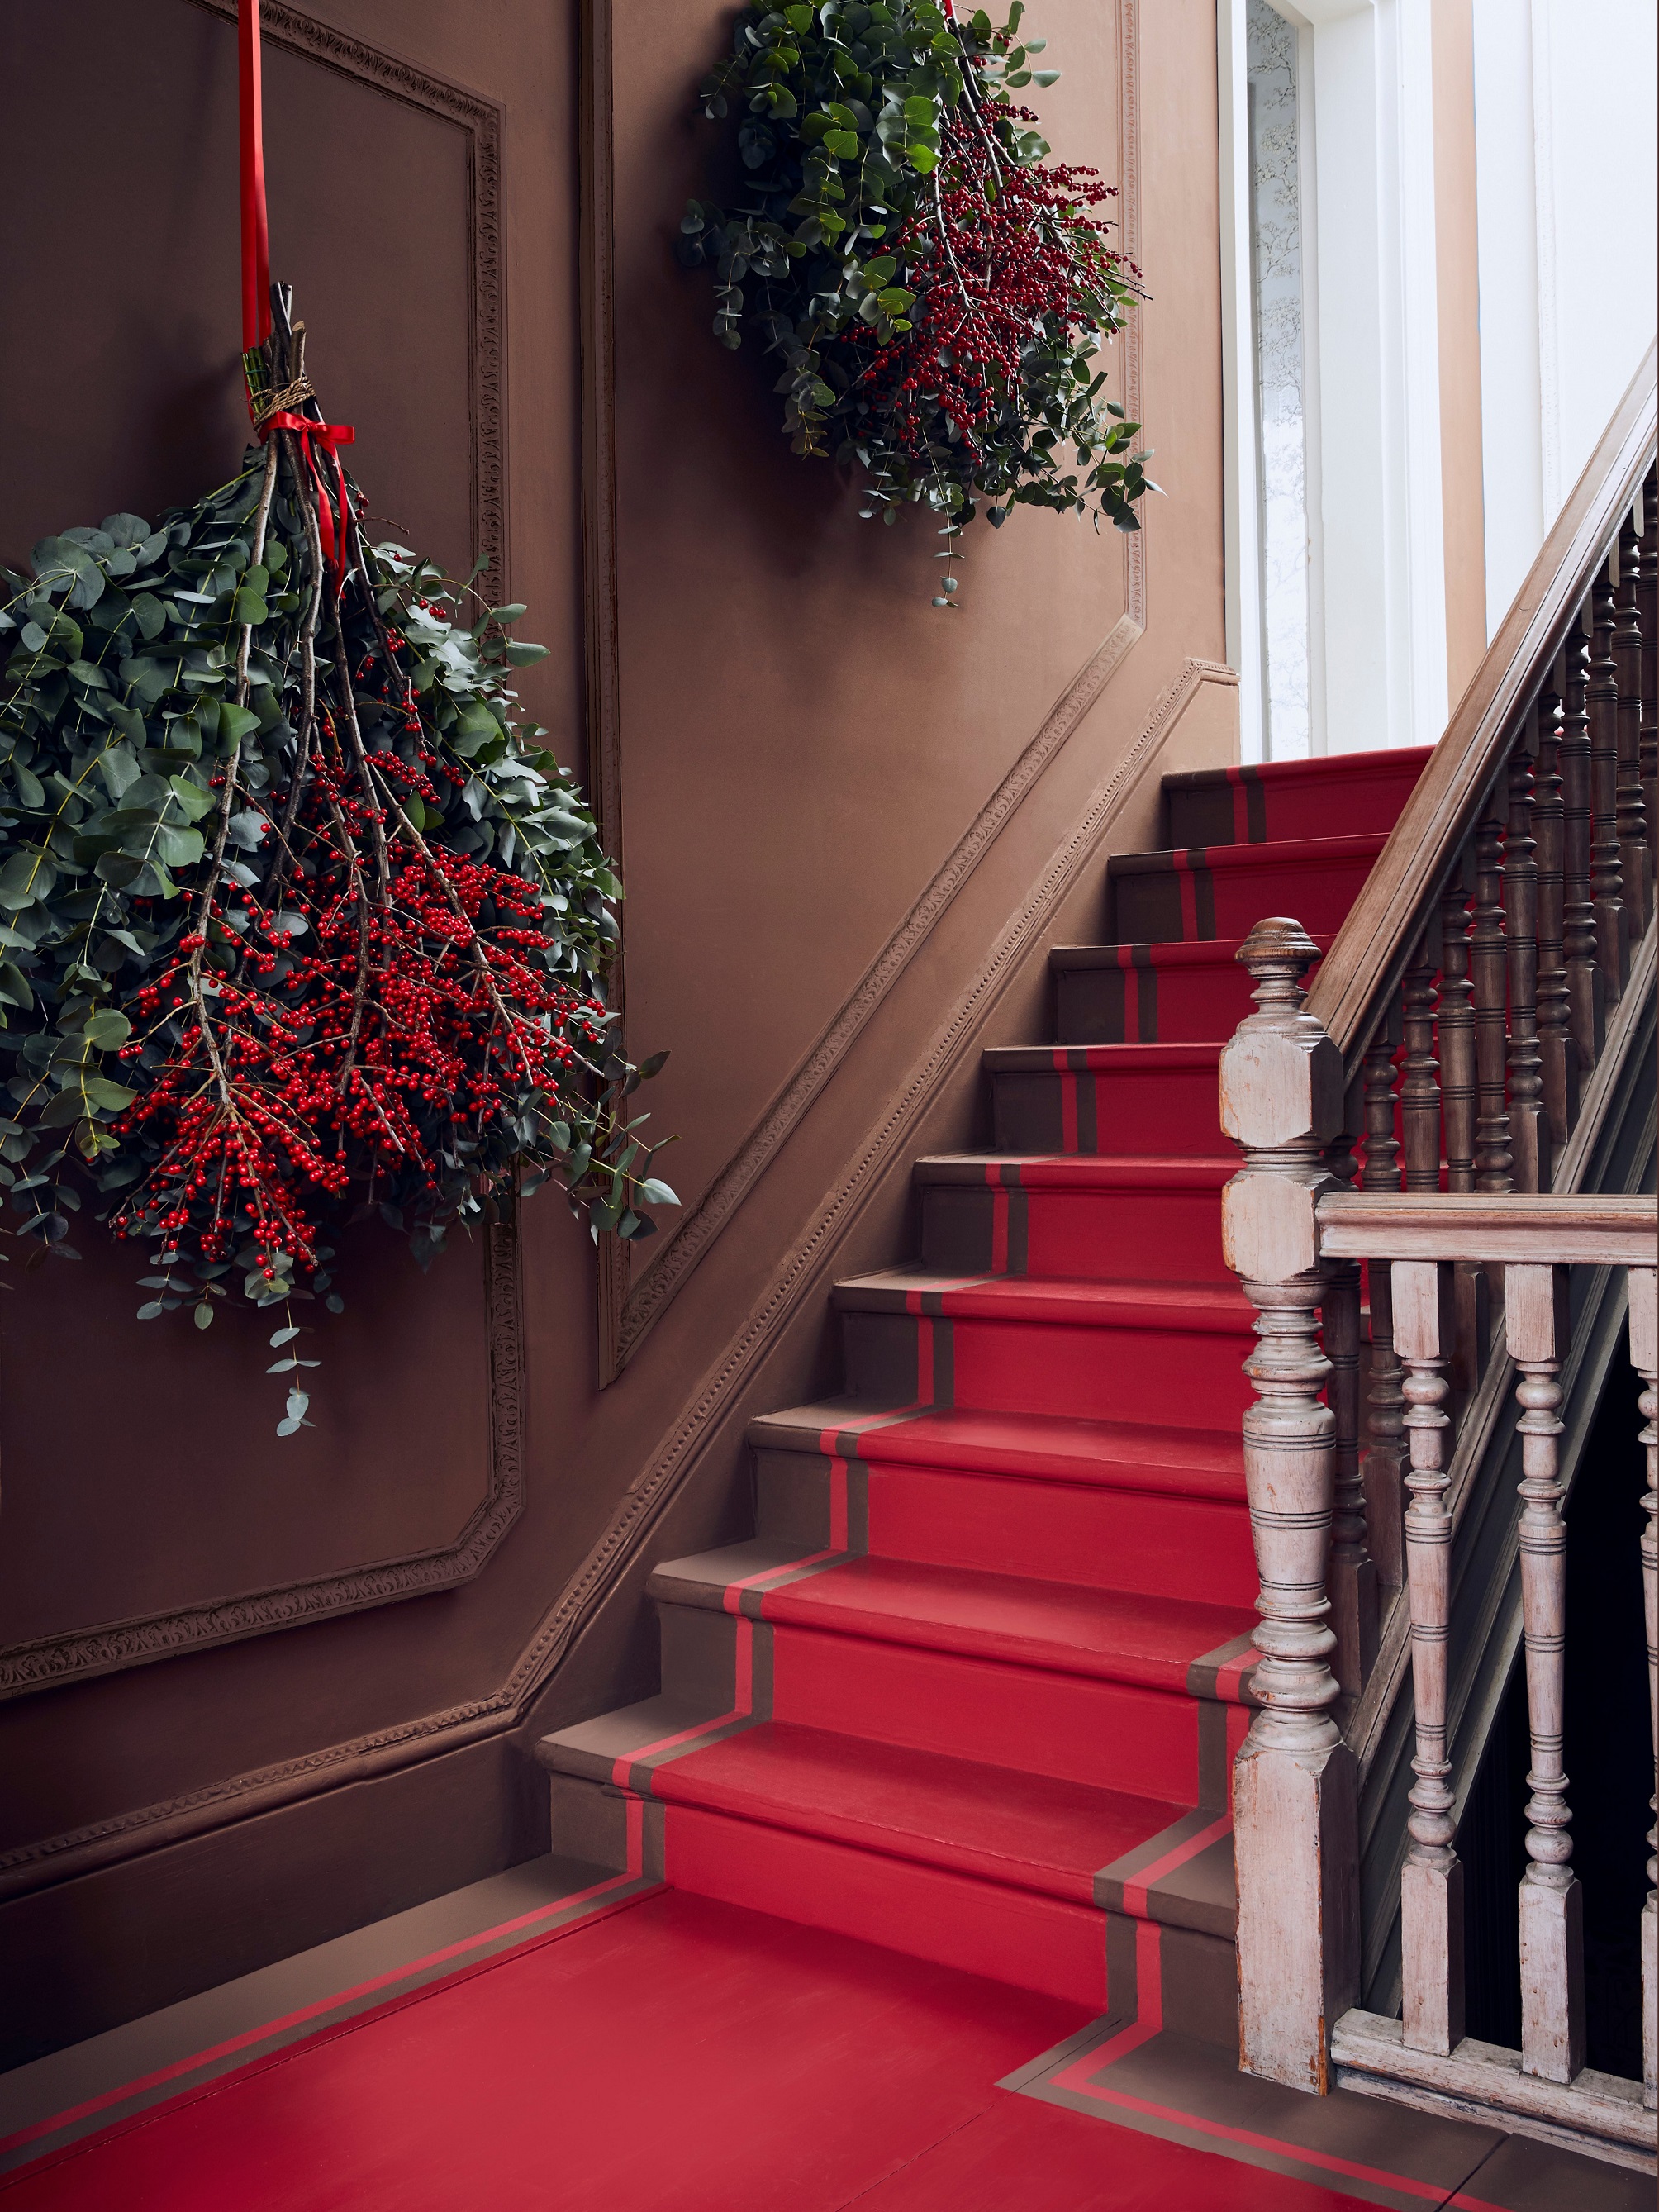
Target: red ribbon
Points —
{"points": [[256, 302], [330, 437], [256, 233]]}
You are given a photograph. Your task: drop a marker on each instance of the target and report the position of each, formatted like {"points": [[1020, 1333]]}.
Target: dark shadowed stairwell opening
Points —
{"points": [[1607, 1771]]}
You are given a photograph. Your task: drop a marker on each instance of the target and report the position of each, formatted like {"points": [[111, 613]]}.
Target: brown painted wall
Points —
{"points": [[851, 828]]}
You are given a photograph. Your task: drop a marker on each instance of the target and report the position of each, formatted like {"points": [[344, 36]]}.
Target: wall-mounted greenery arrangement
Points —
{"points": [[300, 921], [935, 290]]}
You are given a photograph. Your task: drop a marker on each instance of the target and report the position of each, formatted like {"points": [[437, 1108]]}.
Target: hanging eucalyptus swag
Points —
{"points": [[935, 289], [301, 922]]}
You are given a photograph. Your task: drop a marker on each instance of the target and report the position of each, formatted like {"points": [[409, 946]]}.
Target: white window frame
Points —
{"points": [[1376, 559]]}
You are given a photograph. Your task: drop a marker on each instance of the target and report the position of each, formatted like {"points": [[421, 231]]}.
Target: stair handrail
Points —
{"points": [[1369, 954]]}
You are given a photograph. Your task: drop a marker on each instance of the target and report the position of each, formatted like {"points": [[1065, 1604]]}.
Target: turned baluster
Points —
{"points": [[1490, 965], [1384, 1406], [1432, 1880], [1420, 1095], [1354, 1576], [1557, 1062], [1647, 600], [1645, 1358], [1586, 993], [1551, 1908], [1632, 800], [1295, 1812], [1607, 876], [1456, 1025], [1458, 1096], [1529, 1137]]}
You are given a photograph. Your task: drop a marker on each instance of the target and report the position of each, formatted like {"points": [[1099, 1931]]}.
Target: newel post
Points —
{"points": [[1295, 1822]]}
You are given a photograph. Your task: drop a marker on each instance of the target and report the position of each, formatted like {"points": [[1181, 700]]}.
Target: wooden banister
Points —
{"points": [[1376, 941], [1481, 1028], [1576, 1229]]}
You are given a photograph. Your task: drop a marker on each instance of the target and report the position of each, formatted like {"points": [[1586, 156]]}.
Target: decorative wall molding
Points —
{"points": [[602, 652], [130, 1834], [1130, 204], [112, 1646], [105, 1650], [481, 119], [627, 1310], [708, 1217]]}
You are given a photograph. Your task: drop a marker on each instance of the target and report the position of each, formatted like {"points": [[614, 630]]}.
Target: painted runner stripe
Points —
{"points": [[1134, 1893], [842, 1440], [1431, 2193], [1229, 1678], [1219, 1675], [1145, 974], [1240, 807], [731, 1595], [622, 1772], [1255, 798], [837, 1507], [249, 2037], [1132, 1032], [1148, 2014], [1184, 868]]}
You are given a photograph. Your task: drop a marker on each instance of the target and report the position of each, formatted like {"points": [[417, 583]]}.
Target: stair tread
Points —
{"points": [[1032, 1830], [1277, 853], [1120, 1636], [1079, 1300], [1078, 1171], [1102, 1059], [1335, 767], [1204, 1464]]}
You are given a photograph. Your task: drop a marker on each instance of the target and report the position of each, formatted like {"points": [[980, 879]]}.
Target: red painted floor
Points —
{"points": [[681, 2056]]}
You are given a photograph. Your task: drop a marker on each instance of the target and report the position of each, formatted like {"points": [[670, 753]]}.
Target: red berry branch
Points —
{"points": [[278, 849], [936, 290]]}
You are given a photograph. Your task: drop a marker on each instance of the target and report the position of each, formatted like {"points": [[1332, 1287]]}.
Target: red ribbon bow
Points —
{"points": [[330, 437]]}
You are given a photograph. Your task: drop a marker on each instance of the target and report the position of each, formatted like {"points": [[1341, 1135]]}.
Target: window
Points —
{"points": [[1276, 285]]}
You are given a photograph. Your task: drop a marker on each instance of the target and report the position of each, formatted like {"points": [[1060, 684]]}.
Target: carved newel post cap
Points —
{"points": [[1281, 1103], [1280, 952]]}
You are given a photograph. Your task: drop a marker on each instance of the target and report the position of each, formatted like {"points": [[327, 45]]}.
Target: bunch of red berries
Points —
{"points": [[1007, 262], [361, 1040]]}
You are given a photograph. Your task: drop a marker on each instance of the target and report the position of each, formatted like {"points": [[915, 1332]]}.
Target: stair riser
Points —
{"points": [[1251, 810], [1120, 1539], [1074, 1952], [1064, 1532], [1191, 902], [1162, 1112], [1149, 1005], [1180, 1378], [1010, 1935], [1149, 1236], [1108, 1735]]}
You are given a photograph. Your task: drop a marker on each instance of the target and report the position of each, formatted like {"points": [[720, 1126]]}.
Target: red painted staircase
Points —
{"points": [[974, 1688]]}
